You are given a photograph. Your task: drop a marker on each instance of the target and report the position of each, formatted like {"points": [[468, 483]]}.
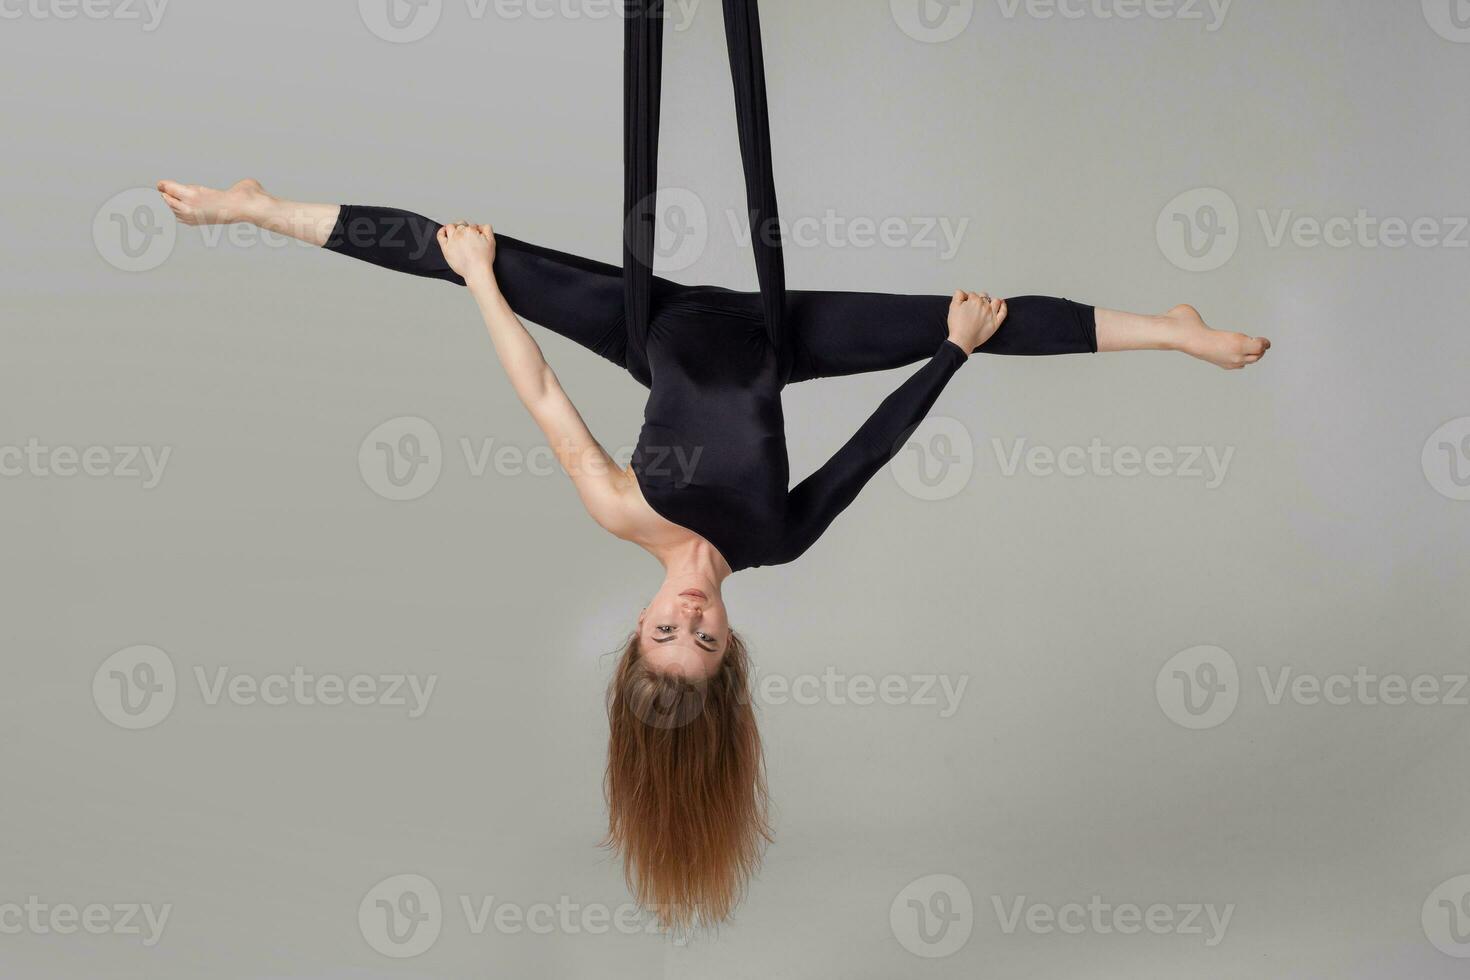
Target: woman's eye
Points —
{"points": [[705, 637], [664, 629]]}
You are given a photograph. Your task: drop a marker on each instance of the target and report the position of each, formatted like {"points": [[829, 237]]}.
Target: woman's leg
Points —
{"points": [[851, 333], [577, 298]]}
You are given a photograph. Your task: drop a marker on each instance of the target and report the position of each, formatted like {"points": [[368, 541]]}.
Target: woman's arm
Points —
{"points": [[816, 502], [470, 250]]}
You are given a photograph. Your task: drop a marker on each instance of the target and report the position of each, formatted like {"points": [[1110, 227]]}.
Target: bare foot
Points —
{"points": [[1231, 351], [193, 204]]}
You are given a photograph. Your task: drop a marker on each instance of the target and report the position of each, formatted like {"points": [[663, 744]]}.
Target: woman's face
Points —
{"points": [[684, 631]]}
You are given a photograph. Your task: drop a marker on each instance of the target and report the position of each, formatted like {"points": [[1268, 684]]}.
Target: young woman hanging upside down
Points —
{"points": [[708, 492]]}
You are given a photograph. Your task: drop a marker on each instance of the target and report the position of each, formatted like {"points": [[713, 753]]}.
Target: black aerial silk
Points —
{"points": [[712, 454], [643, 50]]}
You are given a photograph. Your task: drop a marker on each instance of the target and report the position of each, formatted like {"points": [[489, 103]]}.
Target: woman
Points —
{"points": [[707, 493]]}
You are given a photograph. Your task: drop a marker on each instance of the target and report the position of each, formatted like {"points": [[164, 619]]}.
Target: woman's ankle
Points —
{"points": [[263, 210], [1172, 335]]}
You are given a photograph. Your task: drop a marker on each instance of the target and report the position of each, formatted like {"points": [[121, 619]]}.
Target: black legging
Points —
{"points": [[832, 334]]}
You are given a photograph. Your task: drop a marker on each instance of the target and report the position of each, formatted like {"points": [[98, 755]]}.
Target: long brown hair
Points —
{"points": [[685, 787]]}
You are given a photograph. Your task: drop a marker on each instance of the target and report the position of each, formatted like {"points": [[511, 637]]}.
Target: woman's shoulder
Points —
{"points": [[622, 510]]}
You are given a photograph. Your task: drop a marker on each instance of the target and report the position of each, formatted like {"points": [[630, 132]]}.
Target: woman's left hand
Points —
{"points": [[469, 249], [974, 318]]}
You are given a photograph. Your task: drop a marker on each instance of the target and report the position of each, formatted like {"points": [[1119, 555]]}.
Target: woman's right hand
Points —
{"points": [[469, 249], [974, 318]]}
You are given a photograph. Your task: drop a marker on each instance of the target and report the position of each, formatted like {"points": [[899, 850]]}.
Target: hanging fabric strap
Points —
{"points": [[748, 71], [643, 64], [642, 83]]}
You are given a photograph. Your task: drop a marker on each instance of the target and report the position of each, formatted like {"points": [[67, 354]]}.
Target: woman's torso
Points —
{"points": [[712, 454]]}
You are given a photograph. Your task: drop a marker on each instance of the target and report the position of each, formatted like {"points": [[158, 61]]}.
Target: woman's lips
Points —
{"points": [[695, 594]]}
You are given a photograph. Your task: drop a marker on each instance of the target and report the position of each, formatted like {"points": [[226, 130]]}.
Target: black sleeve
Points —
{"points": [[816, 502]]}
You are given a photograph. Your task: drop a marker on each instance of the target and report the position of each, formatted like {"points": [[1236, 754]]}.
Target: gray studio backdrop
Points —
{"points": [[1127, 668]]}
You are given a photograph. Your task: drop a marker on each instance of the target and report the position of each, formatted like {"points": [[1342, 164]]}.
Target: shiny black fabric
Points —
{"points": [[712, 454]]}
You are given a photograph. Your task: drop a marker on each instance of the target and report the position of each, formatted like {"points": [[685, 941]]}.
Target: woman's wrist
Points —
{"points": [[962, 344], [482, 278]]}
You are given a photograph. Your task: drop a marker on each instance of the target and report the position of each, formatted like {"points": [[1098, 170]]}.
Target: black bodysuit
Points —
{"points": [[712, 454]]}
